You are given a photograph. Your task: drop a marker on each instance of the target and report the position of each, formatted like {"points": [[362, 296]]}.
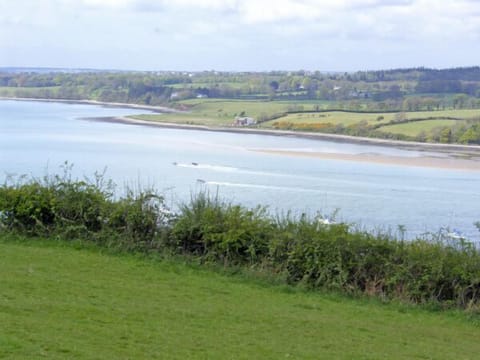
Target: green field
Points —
{"points": [[457, 113], [58, 301], [297, 115], [222, 112], [415, 128], [215, 112], [349, 118], [432, 120], [334, 117]]}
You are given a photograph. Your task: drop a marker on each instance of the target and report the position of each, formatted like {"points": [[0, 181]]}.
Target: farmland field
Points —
{"points": [[334, 117], [415, 128], [215, 112], [60, 301], [222, 113]]}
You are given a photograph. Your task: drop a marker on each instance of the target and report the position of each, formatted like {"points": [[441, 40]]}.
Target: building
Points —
{"points": [[244, 121]]}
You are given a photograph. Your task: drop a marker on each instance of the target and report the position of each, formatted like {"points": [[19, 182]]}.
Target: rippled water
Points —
{"points": [[37, 137]]}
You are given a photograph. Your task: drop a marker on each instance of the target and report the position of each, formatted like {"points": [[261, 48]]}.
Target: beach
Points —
{"points": [[422, 161], [451, 156]]}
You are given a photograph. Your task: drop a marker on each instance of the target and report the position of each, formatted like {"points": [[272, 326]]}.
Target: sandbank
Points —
{"points": [[453, 157]]}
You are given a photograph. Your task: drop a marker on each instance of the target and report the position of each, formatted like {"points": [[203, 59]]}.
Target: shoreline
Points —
{"points": [[157, 109], [423, 161], [455, 152], [459, 157], [452, 149]]}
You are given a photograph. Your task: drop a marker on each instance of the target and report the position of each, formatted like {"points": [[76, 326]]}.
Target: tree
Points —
{"points": [[446, 136], [274, 85], [459, 101], [471, 136]]}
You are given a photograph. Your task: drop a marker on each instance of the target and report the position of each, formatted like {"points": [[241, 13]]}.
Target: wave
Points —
{"points": [[231, 169], [195, 165], [317, 179]]}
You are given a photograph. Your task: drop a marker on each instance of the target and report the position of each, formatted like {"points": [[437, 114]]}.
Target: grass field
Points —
{"points": [[216, 112], [433, 119], [349, 118], [60, 302], [457, 113], [415, 128], [334, 117], [222, 113]]}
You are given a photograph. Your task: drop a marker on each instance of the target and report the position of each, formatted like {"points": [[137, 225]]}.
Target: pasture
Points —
{"points": [[61, 300]]}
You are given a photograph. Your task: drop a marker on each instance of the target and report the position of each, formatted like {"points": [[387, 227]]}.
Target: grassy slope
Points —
{"points": [[334, 117], [348, 118], [414, 128], [215, 112], [409, 129], [222, 112], [58, 302]]}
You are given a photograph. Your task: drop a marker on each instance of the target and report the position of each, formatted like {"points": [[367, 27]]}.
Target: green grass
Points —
{"points": [[60, 302], [433, 120], [350, 118], [456, 113], [217, 112], [415, 128], [222, 113], [334, 117]]}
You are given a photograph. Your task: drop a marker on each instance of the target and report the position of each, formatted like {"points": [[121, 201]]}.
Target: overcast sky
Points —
{"points": [[328, 35]]}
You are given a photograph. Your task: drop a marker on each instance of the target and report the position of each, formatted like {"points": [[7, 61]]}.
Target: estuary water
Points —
{"points": [[36, 138]]}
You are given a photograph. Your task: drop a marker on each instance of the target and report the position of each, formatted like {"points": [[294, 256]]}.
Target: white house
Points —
{"points": [[244, 121]]}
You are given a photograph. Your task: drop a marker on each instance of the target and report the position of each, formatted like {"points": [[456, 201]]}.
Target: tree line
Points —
{"points": [[458, 87]]}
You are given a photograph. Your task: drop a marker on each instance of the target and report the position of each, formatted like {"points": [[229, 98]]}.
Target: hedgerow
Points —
{"points": [[299, 249]]}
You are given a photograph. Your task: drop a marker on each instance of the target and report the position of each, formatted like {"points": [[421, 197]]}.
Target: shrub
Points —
{"points": [[216, 230], [82, 209], [28, 208], [301, 249]]}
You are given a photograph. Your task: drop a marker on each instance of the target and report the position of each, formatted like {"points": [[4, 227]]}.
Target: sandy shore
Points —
{"points": [[453, 149], [454, 157], [458, 157], [461, 150], [423, 161]]}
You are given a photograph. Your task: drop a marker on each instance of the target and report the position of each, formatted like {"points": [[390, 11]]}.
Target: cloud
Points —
{"points": [[270, 31]]}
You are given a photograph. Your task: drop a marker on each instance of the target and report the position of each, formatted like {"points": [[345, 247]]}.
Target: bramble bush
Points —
{"points": [[81, 209], [299, 249], [219, 231]]}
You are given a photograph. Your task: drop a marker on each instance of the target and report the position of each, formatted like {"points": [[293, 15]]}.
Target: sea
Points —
{"points": [[42, 138]]}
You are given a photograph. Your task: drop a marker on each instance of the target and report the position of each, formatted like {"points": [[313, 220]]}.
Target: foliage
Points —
{"points": [[71, 208], [445, 127], [368, 99], [413, 89], [216, 230], [302, 250]]}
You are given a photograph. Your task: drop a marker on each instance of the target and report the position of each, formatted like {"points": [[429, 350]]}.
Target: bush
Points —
{"points": [[216, 230], [74, 209], [28, 208], [299, 249]]}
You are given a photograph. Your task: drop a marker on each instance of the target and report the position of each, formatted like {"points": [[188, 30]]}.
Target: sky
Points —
{"points": [[239, 35]]}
